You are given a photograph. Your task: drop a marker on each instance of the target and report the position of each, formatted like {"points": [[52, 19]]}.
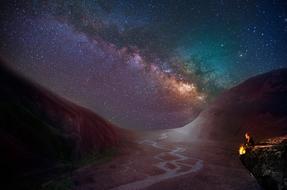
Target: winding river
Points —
{"points": [[178, 167]]}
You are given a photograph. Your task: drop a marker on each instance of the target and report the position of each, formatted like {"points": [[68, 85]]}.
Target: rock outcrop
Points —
{"points": [[267, 161]]}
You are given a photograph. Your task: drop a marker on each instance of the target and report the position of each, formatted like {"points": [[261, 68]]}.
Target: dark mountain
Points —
{"points": [[258, 105], [40, 130]]}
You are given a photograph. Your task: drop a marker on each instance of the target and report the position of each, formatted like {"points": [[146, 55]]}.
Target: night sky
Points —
{"points": [[145, 63]]}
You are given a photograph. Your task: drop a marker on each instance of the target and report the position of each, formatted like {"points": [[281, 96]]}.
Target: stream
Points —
{"points": [[178, 167]]}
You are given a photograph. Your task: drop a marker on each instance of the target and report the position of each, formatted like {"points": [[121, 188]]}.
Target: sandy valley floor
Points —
{"points": [[159, 162]]}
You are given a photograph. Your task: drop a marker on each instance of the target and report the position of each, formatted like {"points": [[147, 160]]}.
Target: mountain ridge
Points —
{"points": [[40, 130], [257, 105]]}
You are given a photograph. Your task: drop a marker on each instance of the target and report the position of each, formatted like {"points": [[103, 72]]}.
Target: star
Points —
{"points": [[143, 61]]}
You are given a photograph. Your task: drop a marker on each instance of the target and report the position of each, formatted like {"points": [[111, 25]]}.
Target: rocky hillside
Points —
{"points": [[258, 105], [267, 161], [40, 130]]}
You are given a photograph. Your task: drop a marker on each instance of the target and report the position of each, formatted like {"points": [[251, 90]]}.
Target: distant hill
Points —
{"points": [[258, 105], [39, 129]]}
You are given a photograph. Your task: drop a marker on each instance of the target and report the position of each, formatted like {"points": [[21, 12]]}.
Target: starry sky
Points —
{"points": [[146, 63]]}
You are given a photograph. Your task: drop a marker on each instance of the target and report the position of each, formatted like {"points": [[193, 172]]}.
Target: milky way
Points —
{"points": [[143, 64]]}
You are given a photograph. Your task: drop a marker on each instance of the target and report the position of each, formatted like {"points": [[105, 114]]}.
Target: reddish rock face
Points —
{"points": [[39, 129], [258, 105]]}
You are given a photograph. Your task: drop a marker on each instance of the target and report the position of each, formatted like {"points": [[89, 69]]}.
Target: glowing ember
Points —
{"points": [[242, 150]]}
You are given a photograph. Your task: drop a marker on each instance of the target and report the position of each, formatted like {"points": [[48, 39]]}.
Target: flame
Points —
{"points": [[242, 150]]}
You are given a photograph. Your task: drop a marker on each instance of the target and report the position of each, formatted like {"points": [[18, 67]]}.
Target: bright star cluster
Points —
{"points": [[146, 63]]}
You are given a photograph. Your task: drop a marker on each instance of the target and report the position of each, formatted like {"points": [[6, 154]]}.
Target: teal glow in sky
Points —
{"points": [[134, 62]]}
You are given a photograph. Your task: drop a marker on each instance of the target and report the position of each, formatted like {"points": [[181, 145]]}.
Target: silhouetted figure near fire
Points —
{"points": [[249, 142]]}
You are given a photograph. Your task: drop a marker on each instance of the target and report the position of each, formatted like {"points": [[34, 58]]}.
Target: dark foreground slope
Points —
{"points": [[39, 130], [258, 105], [267, 161]]}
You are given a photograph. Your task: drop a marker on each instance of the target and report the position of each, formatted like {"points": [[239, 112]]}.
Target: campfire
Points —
{"points": [[242, 150]]}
